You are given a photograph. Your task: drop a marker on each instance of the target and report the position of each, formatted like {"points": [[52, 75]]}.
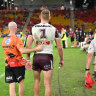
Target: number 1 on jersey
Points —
{"points": [[43, 33]]}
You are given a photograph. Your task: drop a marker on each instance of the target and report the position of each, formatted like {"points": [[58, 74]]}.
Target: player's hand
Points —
{"points": [[40, 48], [28, 65], [61, 63], [86, 73]]}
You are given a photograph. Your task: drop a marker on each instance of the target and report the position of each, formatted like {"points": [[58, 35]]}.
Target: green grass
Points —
{"points": [[71, 77]]}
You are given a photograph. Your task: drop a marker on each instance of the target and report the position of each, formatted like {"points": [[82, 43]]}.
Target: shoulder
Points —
{"points": [[54, 28], [93, 41], [35, 27], [4, 39], [16, 39]]}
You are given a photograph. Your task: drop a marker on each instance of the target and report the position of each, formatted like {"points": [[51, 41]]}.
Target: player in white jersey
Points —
{"points": [[44, 33], [91, 51]]}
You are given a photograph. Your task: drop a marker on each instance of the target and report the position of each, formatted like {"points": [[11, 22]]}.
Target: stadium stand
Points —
{"points": [[6, 16], [83, 18]]}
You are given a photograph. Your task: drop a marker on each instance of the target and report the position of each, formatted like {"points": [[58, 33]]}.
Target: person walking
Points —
{"points": [[44, 33], [15, 63]]}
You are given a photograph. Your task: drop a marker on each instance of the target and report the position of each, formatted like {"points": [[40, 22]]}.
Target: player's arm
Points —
{"points": [[28, 45], [59, 47], [27, 50], [60, 51], [69, 34], [89, 57], [74, 35]]}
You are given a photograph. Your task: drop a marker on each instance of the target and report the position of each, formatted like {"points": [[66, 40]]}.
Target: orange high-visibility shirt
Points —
{"points": [[11, 45]]}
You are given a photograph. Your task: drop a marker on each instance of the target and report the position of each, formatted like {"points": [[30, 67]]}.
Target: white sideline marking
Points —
{"points": [[2, 75]]}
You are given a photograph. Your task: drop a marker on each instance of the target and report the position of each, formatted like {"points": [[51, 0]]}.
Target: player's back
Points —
{"points": [[9, 45], [44, 33]]}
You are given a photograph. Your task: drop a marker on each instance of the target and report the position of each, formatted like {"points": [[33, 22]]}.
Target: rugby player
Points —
{"points": [[72, 35], [44, 33], [91, 51], [15, 64]]}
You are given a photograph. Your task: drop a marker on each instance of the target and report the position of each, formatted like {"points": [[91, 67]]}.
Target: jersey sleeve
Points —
{"points": [[91, 47], [57, 34], [19, 43]]}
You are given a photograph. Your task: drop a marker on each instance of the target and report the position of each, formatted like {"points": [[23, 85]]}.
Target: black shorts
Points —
{"points": [[72, 39], [14, 74], [42, 62]]}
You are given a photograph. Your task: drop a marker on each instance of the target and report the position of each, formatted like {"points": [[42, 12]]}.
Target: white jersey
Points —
{"points": [[92, 46], [44, 33]]}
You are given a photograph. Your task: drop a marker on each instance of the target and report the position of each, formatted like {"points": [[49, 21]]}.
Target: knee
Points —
{"points": [[47, 84], [21, 83], [36, 79]]}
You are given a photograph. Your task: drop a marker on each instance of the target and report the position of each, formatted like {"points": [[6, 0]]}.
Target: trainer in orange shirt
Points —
{"points": [[15, 64]]}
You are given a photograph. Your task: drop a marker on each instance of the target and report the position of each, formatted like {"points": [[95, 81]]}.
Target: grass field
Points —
{"points": [[71, 77]]}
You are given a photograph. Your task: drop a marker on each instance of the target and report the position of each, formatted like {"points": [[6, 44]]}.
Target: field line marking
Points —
{"points": [[2, 75]]}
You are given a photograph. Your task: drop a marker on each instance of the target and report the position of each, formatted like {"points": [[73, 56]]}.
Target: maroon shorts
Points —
{"points": [[42, 62]]}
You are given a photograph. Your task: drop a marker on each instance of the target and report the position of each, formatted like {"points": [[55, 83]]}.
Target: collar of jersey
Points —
{"points": [[44, 23]]}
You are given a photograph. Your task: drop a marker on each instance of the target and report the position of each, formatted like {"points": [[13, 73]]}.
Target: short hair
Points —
{"points": [[45, 14], [12, 24]]}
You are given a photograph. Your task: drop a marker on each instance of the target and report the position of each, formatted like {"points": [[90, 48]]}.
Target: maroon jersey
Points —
{"points": [[71, 34]]}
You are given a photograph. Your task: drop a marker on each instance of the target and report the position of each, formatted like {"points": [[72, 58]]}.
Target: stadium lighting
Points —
{"points": [[85, 4], [5, 0], [2, 5], [70, 2], [85, 1], [12, 0], [71, 5]]}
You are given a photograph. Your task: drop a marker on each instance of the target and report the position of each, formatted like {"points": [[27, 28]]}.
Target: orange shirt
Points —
{"points": [[11, 45]]}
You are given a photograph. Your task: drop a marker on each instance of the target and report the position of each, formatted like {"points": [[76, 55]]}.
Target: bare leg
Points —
{"points": [[12, 89], [36, 82], [95, 63], [95, 67], [73, 43], [47, 82], [21, 88]]}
